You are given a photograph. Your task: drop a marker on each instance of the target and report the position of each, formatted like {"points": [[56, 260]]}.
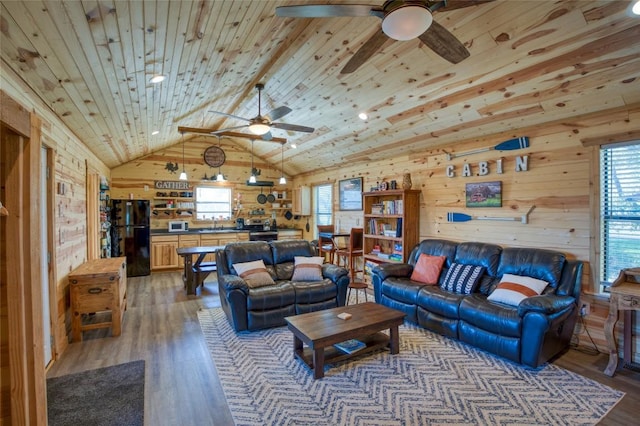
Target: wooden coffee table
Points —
{"points": [[322, 329]]}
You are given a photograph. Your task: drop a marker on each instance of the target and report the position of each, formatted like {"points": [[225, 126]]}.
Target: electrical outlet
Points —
{"points": [[585, 309]]}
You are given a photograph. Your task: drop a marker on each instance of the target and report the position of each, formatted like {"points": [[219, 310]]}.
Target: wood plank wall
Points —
{"points": [[70, 234], [559, 183]]}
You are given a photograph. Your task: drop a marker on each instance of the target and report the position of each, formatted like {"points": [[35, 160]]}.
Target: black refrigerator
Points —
{"points": [[130, 235]]}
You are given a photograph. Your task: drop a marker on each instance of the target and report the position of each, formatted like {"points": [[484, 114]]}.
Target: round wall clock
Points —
{"points": [[214, 156]]}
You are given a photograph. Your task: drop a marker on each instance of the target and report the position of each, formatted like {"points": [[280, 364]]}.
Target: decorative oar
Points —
{"points": [[510, 145], [461, 217]]}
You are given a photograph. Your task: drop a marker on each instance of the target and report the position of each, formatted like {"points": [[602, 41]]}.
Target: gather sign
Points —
{"points": [[171, 184]]}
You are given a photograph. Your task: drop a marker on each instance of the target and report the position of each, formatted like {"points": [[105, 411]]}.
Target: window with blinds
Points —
{"points": [[213, 203], [323, 204], [620, 210]]}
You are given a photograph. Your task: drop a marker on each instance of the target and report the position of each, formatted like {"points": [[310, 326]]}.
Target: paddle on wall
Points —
{"points": [[461, 217], [510, 145]]}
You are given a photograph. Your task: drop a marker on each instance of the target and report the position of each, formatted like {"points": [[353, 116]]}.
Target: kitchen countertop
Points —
{"points": [[200, 231]]}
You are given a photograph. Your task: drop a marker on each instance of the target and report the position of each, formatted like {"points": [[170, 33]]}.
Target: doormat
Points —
{"points": [[103, 397]]}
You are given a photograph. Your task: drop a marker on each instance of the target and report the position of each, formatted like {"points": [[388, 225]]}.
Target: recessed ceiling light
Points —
{"points": [[363, 116], [155, 132], [294, 146], [157, 79]]}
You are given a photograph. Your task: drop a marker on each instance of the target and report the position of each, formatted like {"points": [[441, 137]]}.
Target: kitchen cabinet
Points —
{"points": [[218, 239], [163, 252], [187, 240], [302, 201], [289, 234]]}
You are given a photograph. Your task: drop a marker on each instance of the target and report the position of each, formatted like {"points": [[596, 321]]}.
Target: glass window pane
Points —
{"points": [[620, 210], [213, 203], [323, 205]]}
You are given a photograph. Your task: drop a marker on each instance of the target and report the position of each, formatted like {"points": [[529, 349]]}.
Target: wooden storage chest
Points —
{"points": [[98, 285]]}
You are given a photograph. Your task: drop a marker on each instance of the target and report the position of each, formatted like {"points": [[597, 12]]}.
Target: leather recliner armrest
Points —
{"points": [[233, 282], [333, 272], [545, 304], [386, 270]]}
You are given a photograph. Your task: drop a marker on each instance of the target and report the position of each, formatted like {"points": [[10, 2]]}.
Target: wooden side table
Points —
{"points": [[98, 285], [625, 296]]}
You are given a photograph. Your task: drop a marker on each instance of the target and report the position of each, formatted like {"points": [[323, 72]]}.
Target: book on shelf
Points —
{"points": [[396, 257], [397, 248], [350, 346], [399, 227], [384, 255]]}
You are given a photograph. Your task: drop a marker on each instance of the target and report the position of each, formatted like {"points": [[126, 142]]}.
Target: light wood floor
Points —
{"points": [[182, 387]]}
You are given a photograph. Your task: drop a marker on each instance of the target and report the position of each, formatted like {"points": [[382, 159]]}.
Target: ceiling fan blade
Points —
{"points": [[230, 115], [228, 128], [324, 10], [278, 113], [367, 50], [445, 44], [459, 4], [294, 127]]}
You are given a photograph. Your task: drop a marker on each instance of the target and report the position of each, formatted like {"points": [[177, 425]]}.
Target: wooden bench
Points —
{"points": [[202, 271]]}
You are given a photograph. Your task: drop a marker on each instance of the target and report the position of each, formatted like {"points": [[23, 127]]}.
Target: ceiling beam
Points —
{"points": [[209, 132]]}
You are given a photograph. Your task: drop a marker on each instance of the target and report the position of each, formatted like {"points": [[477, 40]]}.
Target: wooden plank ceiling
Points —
{"points": [[531, 62]]}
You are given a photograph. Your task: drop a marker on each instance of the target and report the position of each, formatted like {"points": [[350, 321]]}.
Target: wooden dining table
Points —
{"points": [[195, 272]]}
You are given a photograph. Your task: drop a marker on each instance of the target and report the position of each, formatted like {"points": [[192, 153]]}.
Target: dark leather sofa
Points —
{"points": [[530, 334], [264, 307]]}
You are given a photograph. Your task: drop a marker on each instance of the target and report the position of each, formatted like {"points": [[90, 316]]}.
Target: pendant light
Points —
{"points": [[183, 175], [252, 178], [283, 180], [220, 177]]}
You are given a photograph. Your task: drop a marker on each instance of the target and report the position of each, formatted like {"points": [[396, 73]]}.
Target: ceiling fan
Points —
{"points": [[401, 20], [261, 125]]}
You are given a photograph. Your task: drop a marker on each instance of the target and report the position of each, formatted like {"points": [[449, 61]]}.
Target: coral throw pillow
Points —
{"points": [[307, 268], [254, 273], [427, 269], [513, 289]]}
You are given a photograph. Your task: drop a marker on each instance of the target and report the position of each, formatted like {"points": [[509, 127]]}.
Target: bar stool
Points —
{"points": [[349, 255]]}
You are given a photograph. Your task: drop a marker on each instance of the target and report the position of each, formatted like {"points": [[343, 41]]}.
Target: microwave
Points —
{"points": [[178, 226]]}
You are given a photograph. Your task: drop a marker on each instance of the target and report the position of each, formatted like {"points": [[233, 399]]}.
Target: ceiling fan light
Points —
{"points": [[407, 22], [158, 78], [635, 8], [183, 175], [259, 128]]}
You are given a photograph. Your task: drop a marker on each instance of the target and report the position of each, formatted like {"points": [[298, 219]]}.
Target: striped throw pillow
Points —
{"points": [[513, 289], [307, 268], [254, 273], [462, 279]]}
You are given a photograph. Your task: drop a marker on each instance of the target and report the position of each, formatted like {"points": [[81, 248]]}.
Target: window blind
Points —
{"points": [[323, 195], [213, 203], [620, 210]]}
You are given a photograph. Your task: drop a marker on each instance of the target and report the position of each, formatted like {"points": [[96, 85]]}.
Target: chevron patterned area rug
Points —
{"points": [[433, 380]]}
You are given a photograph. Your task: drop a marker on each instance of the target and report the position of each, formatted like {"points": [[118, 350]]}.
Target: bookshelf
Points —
{"points": [[391, 226]]}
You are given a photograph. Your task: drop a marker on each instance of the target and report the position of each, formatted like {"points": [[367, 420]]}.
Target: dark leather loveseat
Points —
{"points": [[264, 307], [531, 333]]}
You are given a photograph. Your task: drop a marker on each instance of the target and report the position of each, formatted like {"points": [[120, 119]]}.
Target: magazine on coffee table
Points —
{"points": [[350, 346]]}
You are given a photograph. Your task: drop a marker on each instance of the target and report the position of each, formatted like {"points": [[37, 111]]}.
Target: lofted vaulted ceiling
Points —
{"points": [[531, 62]]}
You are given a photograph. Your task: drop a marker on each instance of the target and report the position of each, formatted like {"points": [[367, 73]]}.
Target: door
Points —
{"points": [[44, 259]]}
